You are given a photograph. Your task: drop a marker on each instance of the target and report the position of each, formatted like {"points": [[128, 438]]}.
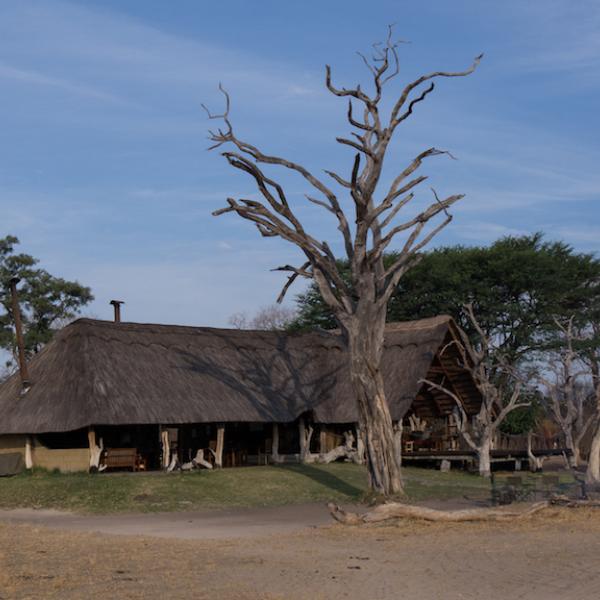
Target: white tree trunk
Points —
{"points": [[305, 434], [333, 455], [484, 458], [275, 444], [360, 446], [593, 469], [220, 446], [347, 450], [535, 463], [200, 460], [573, 459]]}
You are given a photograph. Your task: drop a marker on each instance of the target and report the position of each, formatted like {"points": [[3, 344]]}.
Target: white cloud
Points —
{"points": [[36, 78], [115, 49]]}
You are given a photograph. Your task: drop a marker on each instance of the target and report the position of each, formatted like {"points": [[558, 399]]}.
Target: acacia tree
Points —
{"points": [[359, 308], [46, 301]]}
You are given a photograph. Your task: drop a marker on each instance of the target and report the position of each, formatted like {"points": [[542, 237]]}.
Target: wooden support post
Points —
{"points": [[275, 444], [322, 440], [302, 435], [95, 449], [28, 453], [220, 444], [166, 448]]}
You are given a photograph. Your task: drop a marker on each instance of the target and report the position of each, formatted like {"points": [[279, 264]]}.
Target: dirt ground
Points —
{"points": [[555, 555]]}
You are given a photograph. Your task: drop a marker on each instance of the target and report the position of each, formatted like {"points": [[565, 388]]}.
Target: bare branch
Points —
{"points": [[360, 147], [296, 272], [422, 97], [411, 86]]}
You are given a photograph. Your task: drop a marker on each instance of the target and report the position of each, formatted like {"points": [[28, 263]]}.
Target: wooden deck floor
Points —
{"points": [[469, 455]]}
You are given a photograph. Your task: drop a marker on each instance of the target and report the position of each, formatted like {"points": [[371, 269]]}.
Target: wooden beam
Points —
{"points": [[28, 453], [95, 449], [166, 448], [322, 440]]}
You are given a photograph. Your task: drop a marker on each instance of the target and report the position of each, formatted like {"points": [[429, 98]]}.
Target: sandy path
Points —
{"points": [[192, 525], [550, 557]]}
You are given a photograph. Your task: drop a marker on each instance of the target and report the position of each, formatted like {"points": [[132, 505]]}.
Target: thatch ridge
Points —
{"points": [[104, 373]]}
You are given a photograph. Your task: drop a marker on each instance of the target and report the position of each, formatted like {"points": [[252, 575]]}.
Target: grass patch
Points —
{"points": [[227, 488]]}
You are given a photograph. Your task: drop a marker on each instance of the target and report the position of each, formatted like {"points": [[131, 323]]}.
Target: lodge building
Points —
{"points": [[247, 397]]}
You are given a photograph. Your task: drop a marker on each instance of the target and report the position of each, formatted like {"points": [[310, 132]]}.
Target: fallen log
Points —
{"points": [[397, 510], [337, 453], [346, 451]]}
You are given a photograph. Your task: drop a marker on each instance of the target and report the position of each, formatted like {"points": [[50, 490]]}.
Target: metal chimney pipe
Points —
{"points": [[117, 306], [25, 383]]}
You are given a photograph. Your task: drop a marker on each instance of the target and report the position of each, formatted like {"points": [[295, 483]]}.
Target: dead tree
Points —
{"points": [[499, 386], [592, 359], [305, 432], [536, 463], [566, 392], [366, 217]]}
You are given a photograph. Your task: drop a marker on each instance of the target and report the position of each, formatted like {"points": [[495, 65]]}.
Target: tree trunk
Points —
{"points": [[305, 434], [365, 342], [398, 442], [200, 460], [593, 469], [535, 463], [573, 459], [360, 446], [483, 456]]}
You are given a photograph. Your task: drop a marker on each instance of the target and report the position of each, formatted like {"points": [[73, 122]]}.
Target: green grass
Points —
{"points": [[227, 488]]}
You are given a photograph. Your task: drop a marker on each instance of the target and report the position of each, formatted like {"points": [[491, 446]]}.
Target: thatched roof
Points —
{"points": [[104, 373]]}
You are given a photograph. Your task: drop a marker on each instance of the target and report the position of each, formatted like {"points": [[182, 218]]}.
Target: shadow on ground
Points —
{"points": [[325, 478]]}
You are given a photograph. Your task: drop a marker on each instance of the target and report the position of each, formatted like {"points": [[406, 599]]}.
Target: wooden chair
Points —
{"points": [[121, 458]]}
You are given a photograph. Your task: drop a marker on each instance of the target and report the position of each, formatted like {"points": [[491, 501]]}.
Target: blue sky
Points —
{"points": [[104, 173]]}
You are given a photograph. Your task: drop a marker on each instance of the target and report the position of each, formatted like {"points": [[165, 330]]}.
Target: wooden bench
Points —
{"points": [[121, 458]]}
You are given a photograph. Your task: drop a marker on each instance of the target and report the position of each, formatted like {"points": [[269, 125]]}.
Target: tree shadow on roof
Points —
{"points": [[277, 381]]}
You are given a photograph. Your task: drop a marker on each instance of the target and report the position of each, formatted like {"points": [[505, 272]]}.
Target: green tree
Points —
{"points": [[46, 302], [517, 287]]}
